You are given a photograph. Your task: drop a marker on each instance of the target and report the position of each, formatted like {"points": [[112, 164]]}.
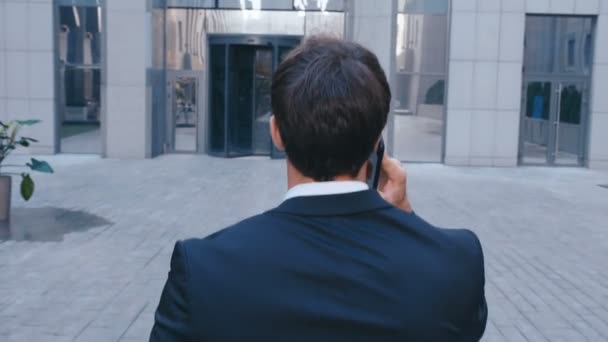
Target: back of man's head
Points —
{"points": [[330, 99]]}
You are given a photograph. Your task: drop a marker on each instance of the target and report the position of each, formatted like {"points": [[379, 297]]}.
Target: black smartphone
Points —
{"points": [[376, 161]]}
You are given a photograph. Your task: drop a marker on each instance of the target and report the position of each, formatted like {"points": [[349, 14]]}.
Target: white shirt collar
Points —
{"points": [[325, 188]]}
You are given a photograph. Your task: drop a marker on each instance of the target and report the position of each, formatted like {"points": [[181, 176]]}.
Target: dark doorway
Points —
{"points": [[241, 71]]}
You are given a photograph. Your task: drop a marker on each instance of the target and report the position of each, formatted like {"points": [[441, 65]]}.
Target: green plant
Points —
{"points": [[9, 142]]}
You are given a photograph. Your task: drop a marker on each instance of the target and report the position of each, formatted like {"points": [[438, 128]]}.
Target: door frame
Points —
{"points": [[171, 76], [274, 41], [59, 69], [553, 120], [560, 77]]}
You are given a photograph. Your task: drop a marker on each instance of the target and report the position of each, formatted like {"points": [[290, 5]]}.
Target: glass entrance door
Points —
{"points": [[568, 123], [536, 122], [184, 104], [558, 55], [553, 122], [249, 107], [241, 71]]}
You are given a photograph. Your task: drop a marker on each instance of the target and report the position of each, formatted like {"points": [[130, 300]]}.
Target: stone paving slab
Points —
{"points": [[544, 233]]}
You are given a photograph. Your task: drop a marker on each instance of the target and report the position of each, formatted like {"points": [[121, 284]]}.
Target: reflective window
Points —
{"points": [[538, 96], [319, 5], [301, 5], [423, 6], [217, 97], [419, 87], [191, 3], [557, 44], [256, 4], [185, 34], [79, 35], [571, 98], [421, 43], [558, 58]]}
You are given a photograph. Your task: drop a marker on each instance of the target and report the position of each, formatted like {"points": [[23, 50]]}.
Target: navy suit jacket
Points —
{"points": [[348, 267]]}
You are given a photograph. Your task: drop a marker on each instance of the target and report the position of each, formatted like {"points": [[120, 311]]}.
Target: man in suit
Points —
{"points": [[335, 261]]}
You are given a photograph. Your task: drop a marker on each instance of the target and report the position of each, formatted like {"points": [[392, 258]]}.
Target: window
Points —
{"points": [[419, 87], [571, 52], [588, 50], [299, 5], [79, 34], [558, 44]]}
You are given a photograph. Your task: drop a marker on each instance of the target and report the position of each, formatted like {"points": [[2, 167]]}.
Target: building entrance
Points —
{"points": [[184, 110], [555, 101], [240, 74]]}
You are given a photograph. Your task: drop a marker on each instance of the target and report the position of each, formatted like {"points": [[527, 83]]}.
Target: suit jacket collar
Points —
{"points": [[334, 205]]}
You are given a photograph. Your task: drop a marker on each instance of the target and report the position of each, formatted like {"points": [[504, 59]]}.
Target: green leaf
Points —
{"points": [[27, 122], [29, 139], [40, 166], [23, 143], [27, 186]]}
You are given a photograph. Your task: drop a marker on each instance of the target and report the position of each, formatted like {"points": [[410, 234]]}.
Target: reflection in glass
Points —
{"points": [[319, 5], [80, 34], [185, 39], [421, 43], [190, 3], [569, 135], [419, 117], [261, 101], [185, 113], [79, 53], [249, 113], [536, 125], [423, 6], [235, 78], [240, 94], [240, 81], [217, 98], [538, 95], [421, 64], [307, 5], [557, 64], [570, 108], [256, 4], [558, 44]]}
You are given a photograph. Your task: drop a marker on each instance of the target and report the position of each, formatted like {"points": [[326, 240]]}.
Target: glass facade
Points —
{"points": [[241, 72], [299, 5], [194, 83], [230, 55], [79, 55], [558, 45], [557, 68], [419, 86]]}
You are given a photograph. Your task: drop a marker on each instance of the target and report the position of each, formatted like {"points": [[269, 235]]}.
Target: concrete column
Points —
{"points": [[598, 139], [27, 83], [372, 24], [485, 75], [125, 93]]}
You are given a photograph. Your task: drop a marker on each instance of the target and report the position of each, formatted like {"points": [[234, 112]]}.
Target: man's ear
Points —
{"points": [[276, 135]]}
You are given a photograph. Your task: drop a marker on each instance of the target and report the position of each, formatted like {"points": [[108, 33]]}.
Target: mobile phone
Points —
{"points": [[376, 161]]}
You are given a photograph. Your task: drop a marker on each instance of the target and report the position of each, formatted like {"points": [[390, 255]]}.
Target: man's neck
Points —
{"points": [[294, 177]]}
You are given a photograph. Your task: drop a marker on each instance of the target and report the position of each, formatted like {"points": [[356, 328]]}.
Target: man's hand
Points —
{"points": [[393, 184]]}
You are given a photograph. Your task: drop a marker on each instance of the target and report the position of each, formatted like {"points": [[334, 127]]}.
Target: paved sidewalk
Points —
{"points": [[544, 233]]}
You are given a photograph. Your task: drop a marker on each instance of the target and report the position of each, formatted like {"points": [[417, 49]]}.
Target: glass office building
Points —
{"points": [[492, 83]]}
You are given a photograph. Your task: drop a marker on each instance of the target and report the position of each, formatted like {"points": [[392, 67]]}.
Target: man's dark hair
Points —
{"points": [[330, 99]]}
